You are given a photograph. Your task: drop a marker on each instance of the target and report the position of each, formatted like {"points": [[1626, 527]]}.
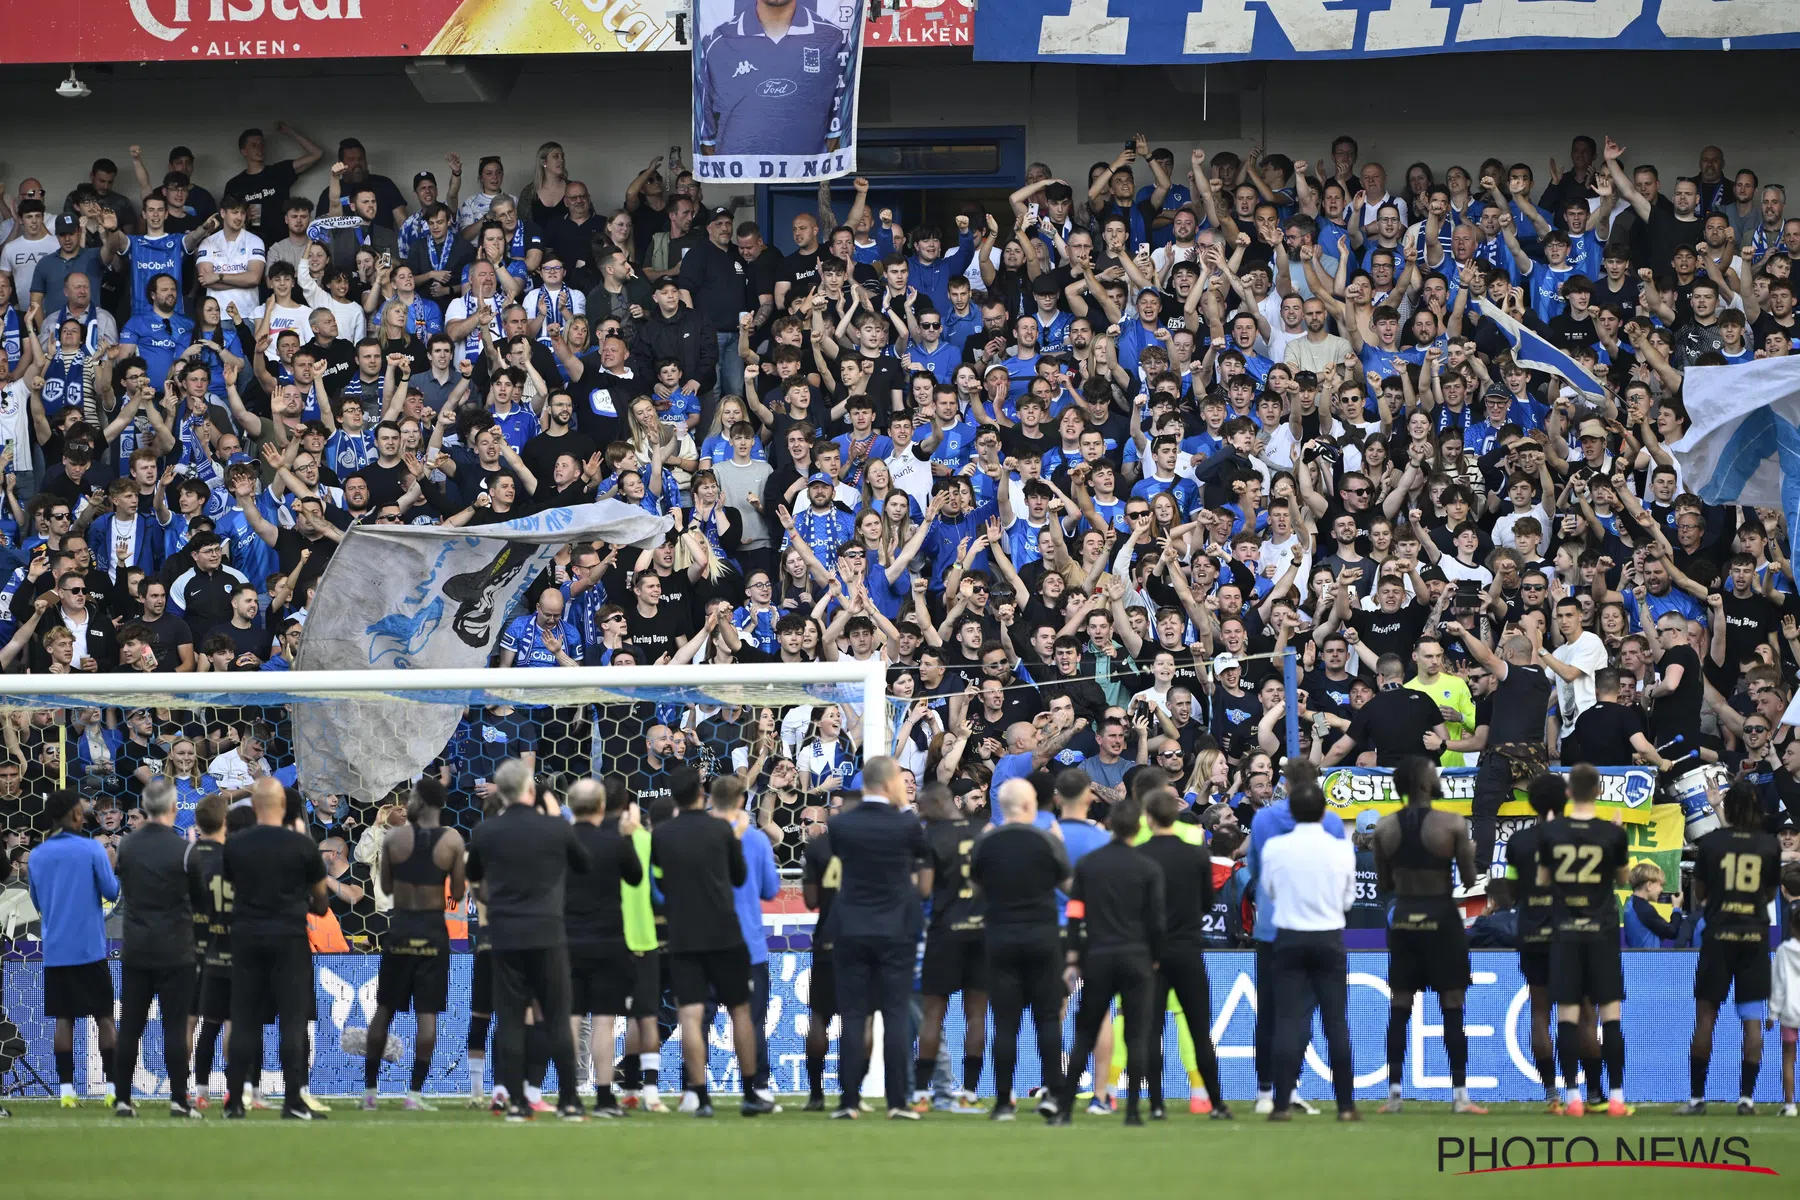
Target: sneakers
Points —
{"points": [[6, 1116], [1099, 1107], [1392, 1106], [185, 1112], [234, 1112], [815, 1103], [70, 1102], [1200, 1105], [1265, 1103], [1787, 1110], [1047, 1105], [1746, 1108], [1691, 1108], [540, 1105], [518, 1114], [1304, 1107], [368, 1104], [202, 1102], [1003, 1110], [652, 1102], [843, 1113], [765, 1096], [704, 1110], [1468, 1108], [902, 1114], [966, 1104], [920, 1102], [1575, 1108], [1221, 1113], [1061, 1118], [628, 1097], [417, 1104], [124, 1108], [1554, 1106], [1157, 1113], [1618, 1108], [572, 1112], [299, 1112], [759, 1104]]}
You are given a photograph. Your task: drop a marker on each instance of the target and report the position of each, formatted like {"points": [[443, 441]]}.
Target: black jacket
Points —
{"points": [[153, 893], [524, 857], [686, 337]]}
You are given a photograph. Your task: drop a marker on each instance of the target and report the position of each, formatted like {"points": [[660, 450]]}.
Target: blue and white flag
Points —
{"points": [[407, 596], [1744, 444], [775, 92], [1539, 354]]}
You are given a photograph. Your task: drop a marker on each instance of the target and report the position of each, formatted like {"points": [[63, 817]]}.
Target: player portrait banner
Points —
{"points": [[1205, 31], [1659, 983], [417, 596], [775, 89]]}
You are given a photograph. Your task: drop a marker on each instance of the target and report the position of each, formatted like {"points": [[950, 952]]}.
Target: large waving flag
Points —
{"points": [[1744, 444], [1539, 354]]}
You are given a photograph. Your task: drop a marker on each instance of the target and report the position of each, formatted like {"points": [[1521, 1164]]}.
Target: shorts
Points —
{"points": [[647, 984], [954, 962], [1586, 969], [721, 975], [1790, 1035], [1534, 964], [1427, 949], [80, 991], [822, 986], [415, 963], [1737, 969], [215, 993], [481, 982], [602, 979]]}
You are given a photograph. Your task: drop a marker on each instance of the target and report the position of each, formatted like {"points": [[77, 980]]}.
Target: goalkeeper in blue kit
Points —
{"points": [[774, 80]]}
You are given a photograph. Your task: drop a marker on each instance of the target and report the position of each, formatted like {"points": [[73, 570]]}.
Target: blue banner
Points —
{"points": [[1657, 1019], [1200, 31]]}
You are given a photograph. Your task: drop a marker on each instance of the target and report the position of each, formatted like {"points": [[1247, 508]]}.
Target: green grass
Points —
{"points": [[48, 1152]]}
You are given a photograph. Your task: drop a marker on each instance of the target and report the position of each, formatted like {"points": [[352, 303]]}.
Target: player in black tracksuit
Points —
{"points": [[1188, 900], [1116, 932]]}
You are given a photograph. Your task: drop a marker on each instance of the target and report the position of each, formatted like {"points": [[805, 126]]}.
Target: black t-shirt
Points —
{"points": [[1187, 891], [254, 640], [820, 869], [266, 194], [168, 634], [800, 272], [699, 861], [1604, 733], [716, 280], [1018, 868], [591, 899], [1391, 633], [1394, 723], [271, 871], [288, 545], [954, 908], [541, 452], [1739, 868], [653, 637], [386, 484], [387, 199], [1666, 231], [1678, 714], [1327, 695], [1583, 856], [1749, 620], [1521, 701]]}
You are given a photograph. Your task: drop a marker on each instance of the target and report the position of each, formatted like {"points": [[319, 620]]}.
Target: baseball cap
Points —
{"points": [[718, 214], [66, 223], [1225, 662], [1592, 429], [1787, 826], [1367, 820], [820, 477], [667, 281], [422, 177]]}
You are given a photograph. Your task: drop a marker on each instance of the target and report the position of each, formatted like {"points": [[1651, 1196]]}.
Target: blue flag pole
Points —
{"points": [[1290, 684]]}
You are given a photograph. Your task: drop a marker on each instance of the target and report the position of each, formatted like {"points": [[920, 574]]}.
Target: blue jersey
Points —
{"points": [[159, 340], [759, 95], [955, 446], [517, 427], [526, 640], [249, 553], [957, 330], [1585, 253], [349, 451], [717, 449], [1019, 373], [1185, 491], [153, 256], [1545, 290], [1053, 332], [942, 362], [823, 531], [878, 445]]}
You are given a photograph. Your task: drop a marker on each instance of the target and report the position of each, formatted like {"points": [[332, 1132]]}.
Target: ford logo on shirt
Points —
{"points": [[777, 87]]}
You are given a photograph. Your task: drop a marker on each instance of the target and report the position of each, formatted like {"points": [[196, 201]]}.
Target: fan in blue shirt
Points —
{"points": [[543, 638]]}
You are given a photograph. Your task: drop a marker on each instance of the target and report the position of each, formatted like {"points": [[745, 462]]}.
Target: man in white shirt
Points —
{"points": [[19, 257], [1310, 878], [1574, 665], [231, 261], [240, 767]]}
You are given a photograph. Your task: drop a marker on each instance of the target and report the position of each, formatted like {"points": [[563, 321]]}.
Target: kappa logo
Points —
{"points": [[744, 67]]}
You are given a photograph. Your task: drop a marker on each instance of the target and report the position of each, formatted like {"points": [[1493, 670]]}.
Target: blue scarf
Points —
{"points": [[65, 385]]}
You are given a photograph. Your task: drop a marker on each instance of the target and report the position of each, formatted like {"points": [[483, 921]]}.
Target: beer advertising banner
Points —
{"points": [[92, 31], [775, 89]]}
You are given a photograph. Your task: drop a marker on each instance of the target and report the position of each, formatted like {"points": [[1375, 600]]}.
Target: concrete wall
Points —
{"points": [[614, 112]]}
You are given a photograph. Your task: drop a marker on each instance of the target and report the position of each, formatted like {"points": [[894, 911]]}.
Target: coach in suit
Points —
{"points": [[882, 850]]}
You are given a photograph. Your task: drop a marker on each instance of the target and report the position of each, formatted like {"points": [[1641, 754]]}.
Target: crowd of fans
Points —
{"points": [[1080, 471]]}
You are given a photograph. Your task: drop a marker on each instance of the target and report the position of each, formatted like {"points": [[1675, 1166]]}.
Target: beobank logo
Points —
{"points": [[240, 11]]}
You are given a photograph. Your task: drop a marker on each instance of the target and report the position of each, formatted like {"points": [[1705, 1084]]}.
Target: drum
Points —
{"points": [[1688, 789]]}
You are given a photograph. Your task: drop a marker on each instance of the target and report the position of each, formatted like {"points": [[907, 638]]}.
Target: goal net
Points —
{"points": [[351, 743]]}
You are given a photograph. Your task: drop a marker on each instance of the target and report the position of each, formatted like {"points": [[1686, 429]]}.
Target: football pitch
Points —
{"points": [[49, 1152]]}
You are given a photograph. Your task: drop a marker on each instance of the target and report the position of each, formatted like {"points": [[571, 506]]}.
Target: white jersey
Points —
{"points": [[230, 256], [553, 308], [283, 318]]}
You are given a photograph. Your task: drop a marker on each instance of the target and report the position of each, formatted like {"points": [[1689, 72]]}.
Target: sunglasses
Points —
{"points": [[931, 325], [1756, 728], [75, 591], [1356, 491], [61, 516]]}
